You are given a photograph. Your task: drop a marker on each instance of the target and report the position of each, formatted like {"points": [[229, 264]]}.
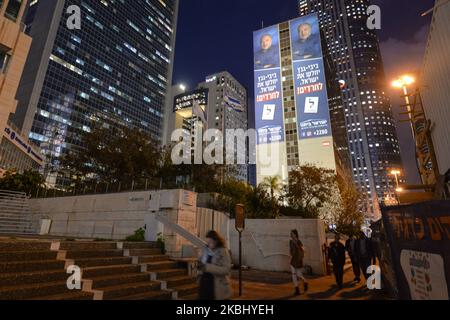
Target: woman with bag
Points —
{"points": [[297, 255], [215, 265]]}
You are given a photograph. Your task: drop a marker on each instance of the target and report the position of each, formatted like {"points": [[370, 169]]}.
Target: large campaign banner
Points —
{"points": [[268, 91], [311, 99], [419, 239]]}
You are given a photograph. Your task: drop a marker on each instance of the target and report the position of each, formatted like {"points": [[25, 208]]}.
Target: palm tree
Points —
{"points": [[273, 184]]}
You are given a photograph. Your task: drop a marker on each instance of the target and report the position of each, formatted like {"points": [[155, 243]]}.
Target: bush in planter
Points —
{"points": [[138, 236], [161, 243]]}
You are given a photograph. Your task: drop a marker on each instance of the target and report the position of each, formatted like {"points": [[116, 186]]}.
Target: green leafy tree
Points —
{"points": [[115, 154], [309, 187], [273, 184], [27, 182], [346, 213]]}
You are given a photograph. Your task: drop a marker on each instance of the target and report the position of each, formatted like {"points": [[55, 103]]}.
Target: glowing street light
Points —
{"points": [[403, 82]]}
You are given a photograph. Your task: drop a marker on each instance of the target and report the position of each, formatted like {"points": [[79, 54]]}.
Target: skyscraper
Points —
{"points": [[298, 108], [355, 52], [117, 65], [227, 109]]}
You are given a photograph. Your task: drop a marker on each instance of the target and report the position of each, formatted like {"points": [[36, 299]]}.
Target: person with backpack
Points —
{"points": [[297, 255], [336, 252]]}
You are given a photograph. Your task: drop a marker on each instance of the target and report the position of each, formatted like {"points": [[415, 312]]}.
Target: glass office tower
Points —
{"points": [[355, 52], [117, 66]]}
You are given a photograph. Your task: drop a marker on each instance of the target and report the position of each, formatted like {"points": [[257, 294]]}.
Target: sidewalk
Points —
{"points": [[261, 285]]}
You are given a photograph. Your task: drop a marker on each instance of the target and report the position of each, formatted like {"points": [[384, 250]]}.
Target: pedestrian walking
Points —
{"points": [[350, 247], [215, 268], [336, 252], [297, 255], [365, 253]]}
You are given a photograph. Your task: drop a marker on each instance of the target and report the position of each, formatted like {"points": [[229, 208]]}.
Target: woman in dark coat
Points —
{"points": [[216, 268], [297, 255]]}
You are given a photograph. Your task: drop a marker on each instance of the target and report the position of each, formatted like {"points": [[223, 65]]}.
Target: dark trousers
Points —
{"points": [[356, 269], [339, 274], [364, 264]]}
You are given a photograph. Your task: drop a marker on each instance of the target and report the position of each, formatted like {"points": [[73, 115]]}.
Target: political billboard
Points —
{"points": [[269, 121], [310, 91], [419, 240]]}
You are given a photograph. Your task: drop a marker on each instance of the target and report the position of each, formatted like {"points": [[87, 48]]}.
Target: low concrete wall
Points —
{"points": [[109, 216], [266, 243], [117, 216]]}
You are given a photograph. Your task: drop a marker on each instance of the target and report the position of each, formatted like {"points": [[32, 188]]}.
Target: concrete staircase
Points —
{"points": [[173, 275], [29, 270], [110, 271], [15, 215]]}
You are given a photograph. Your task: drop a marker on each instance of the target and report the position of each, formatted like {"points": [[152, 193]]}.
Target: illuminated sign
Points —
{"points": [[268, 92], [187, 100], [311, 98], [23, 145]]}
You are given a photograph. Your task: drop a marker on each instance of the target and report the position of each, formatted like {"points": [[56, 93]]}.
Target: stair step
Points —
{"points": [[169, 273], [129, 289], [10, 279], [145, 252], [186, 290], [119, 279], [140, 245], [75, 295], [99, 271], [80, 254], [191, 297], [158, 265], [156, 295], [180, 281], [102, 261], [45, 265], [87, 245], [27, 255], [33, 290], [24, 246], [153, 258]]}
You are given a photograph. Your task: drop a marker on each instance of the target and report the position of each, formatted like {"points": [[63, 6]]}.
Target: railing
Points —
{"points": [[15, 215], [197, 242], [104, 188]]}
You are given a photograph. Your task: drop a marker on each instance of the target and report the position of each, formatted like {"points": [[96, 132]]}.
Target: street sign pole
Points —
{"points": [[240, 227]]}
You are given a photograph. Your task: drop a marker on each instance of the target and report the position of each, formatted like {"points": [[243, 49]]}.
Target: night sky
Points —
{"points": [[215, 36]]}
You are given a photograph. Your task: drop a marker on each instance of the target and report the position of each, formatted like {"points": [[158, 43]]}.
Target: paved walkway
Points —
{"points": [[259, 285]]}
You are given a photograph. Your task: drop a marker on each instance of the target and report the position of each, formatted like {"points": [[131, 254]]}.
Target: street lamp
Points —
{"points": [[398, 189], [402, 83], [396, 173]]}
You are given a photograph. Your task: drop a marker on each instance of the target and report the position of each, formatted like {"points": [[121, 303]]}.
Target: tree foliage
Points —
{"points": [[346, 213], [114, 155], [27, 182], [308, 189]]}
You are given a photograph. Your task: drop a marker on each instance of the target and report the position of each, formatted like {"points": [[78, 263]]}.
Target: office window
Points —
{"points": [[13, 8], [4, 61]]}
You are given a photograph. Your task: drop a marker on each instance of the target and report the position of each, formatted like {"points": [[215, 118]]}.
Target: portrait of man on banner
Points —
{"points": [[306, 39], [267, 50]]}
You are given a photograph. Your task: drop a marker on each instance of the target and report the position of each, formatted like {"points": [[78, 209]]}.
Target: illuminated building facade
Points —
{"points": [[354, 51], [119, 65]]}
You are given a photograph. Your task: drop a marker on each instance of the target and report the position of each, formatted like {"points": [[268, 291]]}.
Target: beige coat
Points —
{"points": [[220, 268]]}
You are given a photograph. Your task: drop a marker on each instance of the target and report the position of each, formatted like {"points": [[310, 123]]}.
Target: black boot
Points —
{"points": [[297, 291], [305, 286]]}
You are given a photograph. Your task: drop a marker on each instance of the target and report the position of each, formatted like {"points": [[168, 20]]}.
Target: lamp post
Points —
{"points": [[398, 189], [403, 82]]}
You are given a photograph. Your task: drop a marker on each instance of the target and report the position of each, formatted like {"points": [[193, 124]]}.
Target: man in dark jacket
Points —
{"points": [[350, 247], [336, 252], [364, 253]]}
